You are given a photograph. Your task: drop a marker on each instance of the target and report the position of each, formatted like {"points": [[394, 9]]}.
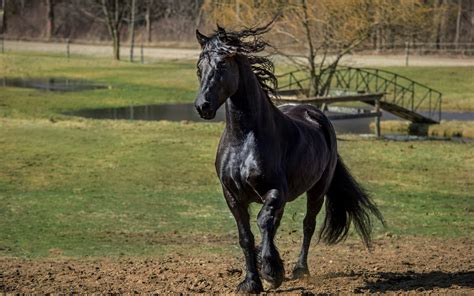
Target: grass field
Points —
{"points": [[166, 81], [105, 188]]}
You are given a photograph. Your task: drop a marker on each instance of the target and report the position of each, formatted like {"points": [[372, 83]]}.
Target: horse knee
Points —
{"points": [[264, 219], [268, 218]]}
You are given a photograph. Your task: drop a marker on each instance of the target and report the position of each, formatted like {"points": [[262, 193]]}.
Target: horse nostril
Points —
{"points": [[205, 106]]}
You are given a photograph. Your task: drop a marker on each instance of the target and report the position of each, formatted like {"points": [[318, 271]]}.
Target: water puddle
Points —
{"points": [[187, 112], [51, 84], [411, 138]]}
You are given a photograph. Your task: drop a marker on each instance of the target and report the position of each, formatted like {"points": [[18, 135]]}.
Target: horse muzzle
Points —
{"points": [[205, 110]]}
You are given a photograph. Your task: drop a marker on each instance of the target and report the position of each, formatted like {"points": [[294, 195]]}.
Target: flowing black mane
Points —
{"points": [[248, 42]]}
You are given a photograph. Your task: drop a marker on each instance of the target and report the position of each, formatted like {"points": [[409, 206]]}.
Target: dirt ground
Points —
{"points": [[396, 265]]}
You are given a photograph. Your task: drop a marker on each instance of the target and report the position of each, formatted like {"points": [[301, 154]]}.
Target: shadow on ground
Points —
{"points": [[409, 281]]}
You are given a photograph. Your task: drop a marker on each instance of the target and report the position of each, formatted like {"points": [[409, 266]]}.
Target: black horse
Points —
{"points": [[272, 155]]}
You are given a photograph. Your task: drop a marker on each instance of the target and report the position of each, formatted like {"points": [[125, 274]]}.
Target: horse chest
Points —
{"points": [[241, 168]]}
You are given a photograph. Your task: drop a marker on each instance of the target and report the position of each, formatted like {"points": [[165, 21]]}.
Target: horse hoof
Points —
{"points": [[299, 272], [250, 286], [273, 271]]}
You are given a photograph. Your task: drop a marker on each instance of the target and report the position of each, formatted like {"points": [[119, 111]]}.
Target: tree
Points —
{"points": [[109, 12], [3, 15], [132, 29], [113, 12], [458, 24], [50, 19], [326, 30], [148, 9]]}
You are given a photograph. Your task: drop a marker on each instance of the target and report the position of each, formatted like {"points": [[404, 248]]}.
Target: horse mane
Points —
{"points": [[249, 42]]}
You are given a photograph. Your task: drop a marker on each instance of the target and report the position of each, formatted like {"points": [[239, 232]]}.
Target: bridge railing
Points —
{"points": [[293, 80], [399, 90]]}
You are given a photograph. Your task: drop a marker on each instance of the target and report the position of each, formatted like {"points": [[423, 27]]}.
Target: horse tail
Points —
{"points": [[346, 202]]}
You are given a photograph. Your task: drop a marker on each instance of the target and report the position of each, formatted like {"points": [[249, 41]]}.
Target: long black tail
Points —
{"points": [[346, 202]]}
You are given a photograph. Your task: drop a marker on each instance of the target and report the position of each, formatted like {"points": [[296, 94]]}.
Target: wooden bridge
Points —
{"points": [[386, 90]]}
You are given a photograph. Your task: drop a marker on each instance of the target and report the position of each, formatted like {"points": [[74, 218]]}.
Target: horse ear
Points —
{"points": [[220, 29], [201, 38]]}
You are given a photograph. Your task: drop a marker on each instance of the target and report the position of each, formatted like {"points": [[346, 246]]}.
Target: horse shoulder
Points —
{"points": [[242, 167]]}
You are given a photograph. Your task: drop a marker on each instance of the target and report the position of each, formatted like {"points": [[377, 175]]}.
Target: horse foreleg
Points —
{"points": [[315, 200], [251, 283], [268, 221]]}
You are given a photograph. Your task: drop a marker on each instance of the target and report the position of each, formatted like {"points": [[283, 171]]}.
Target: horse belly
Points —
{"points": [[309, 159]]}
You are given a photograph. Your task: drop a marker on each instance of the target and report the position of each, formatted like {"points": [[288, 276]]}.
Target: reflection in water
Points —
{"points": [[51, 84], [180, 112]]}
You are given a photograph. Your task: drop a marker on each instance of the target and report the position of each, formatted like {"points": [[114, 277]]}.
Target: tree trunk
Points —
{"points": [[132, 30], [198, 13], [471, 28], [113, 12], [458, 24], [444, 22], [379, 38], [237, 9], [50, 20], [313, 85], [148, 20], [116, 44], [3, 29], [437, 23]]}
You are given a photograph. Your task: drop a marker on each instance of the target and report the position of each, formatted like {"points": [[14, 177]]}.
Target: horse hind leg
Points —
{"points": [[315, 200]]}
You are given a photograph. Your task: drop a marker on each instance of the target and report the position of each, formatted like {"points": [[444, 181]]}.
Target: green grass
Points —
{"points": [[165, 82], [130, 84], [111, 188]]}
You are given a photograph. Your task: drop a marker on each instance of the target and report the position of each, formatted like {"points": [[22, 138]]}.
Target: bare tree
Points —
{"points": [[109, 12], [458, 24], [313, 35], [114, 11], [50, 19], [148, 9], [3, 14], [132, 29]]}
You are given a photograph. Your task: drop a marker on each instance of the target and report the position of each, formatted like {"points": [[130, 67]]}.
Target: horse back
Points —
{"points": [[311, 120]]}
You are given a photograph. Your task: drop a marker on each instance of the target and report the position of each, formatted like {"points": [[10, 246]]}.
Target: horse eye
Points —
{"points": [[221, 64]]}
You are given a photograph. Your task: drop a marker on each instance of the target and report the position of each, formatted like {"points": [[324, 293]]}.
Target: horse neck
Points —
{"points": [[249, 109]]}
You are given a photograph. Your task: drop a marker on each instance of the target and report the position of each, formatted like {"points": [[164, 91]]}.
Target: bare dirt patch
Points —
{"points": [[407, 265]]}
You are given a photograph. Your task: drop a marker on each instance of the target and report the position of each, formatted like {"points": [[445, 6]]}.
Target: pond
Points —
{"points": [[51, 84], [186, 112]]}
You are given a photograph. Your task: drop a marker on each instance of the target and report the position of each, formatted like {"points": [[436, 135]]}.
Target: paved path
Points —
{"points": [[154, 53]]}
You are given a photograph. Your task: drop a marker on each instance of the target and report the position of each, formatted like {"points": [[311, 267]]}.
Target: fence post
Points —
{"points": [[142, 58], [407, 52], [2, 37], [68, 44], [377, 118]]}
